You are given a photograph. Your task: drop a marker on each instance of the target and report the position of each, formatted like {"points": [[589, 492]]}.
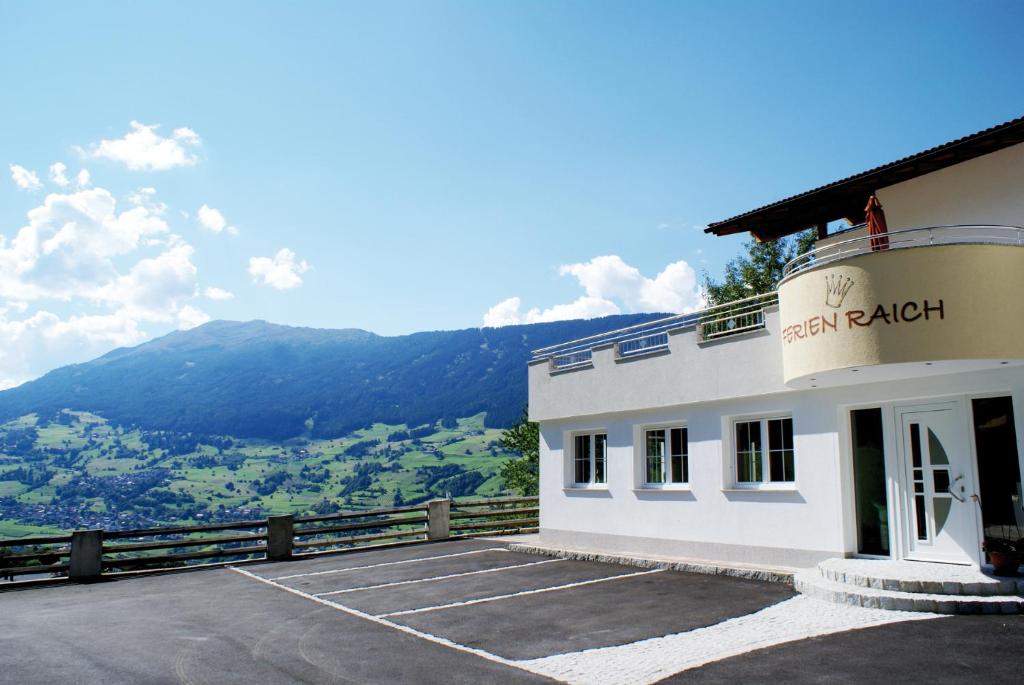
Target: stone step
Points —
{"points": [[813, 584], [918, 577]]}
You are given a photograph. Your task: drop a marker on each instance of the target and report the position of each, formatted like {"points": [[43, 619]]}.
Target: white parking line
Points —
{"points": [[519, 594], [651, 660], [389, 563], [427, 580], [380, 621]]}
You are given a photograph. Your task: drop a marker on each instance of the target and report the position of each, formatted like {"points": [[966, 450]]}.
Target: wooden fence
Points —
{"points": [[88, 554]]}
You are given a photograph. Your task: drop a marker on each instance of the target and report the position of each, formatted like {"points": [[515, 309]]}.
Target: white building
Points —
{"points": [[872, 406]]}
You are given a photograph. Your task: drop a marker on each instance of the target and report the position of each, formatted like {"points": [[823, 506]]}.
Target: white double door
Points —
{"points": [[940, 510]]}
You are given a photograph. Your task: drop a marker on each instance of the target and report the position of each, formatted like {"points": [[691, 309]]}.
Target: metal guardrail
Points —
{"points": [[645, 344], [735, 318], [723, 320], [572, 360], [87, 554], [911, 237]]}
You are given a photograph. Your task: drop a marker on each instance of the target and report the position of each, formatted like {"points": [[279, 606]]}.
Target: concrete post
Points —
{"points": [[280, 537], [438, 519], [86, 554]]}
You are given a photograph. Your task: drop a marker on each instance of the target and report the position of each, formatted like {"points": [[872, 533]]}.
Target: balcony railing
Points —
{"points": [[731, 318], [572, 360], [645, 344], [911, 237]]}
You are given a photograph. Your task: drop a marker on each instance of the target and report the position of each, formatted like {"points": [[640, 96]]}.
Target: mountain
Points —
{"points": [[261, 380]]}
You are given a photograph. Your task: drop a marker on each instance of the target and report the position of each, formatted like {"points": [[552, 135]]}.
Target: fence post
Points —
{"points": [[280, 537], [438, 519], [86, 554]]}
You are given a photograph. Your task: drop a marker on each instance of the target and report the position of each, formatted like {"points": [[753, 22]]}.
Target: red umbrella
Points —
{"points": [[877, 229]]}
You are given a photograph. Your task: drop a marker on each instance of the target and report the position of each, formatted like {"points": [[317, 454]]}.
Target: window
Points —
{"points": [[764, 451], [589, 459], [666, 456]]}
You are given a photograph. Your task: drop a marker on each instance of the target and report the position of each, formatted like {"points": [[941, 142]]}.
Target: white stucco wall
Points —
{"points": [[706, 386], [795, 527], [739, 366], [984, 190]]}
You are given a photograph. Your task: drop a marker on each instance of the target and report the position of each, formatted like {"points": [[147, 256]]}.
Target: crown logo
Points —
{"points": [[836, 287]]}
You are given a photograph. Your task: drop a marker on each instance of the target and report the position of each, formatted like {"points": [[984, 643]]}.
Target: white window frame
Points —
{"points": [[641, 457], [764, 450], [592, 483]]}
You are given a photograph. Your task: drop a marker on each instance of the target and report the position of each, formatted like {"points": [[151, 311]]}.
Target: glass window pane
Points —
{"points": [[678, 447], [775, 467], [686, 455], [655, 466], [748, 452], [599, 457], [780, 450], [775, 434], [921, 518], [787, 434], [582, 459], [915, 444]]}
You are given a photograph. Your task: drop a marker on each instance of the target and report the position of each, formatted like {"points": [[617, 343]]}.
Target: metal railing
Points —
{"points": [[734, 318], [571, 360], [731, 318], [910, 237], [646, 344], [87, 554]]}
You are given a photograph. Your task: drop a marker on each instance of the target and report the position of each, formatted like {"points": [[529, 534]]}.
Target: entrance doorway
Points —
{"points": [[999, 492], [938, 484]]}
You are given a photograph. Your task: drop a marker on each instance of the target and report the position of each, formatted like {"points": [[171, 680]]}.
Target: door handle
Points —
{"points": [[952, 487]]}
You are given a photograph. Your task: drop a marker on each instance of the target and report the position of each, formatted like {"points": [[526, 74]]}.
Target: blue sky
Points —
{"points": [[409, 166]]}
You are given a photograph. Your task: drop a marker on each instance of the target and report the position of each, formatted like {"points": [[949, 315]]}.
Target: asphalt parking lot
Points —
{"points": [[482, 596], [469, 611]]}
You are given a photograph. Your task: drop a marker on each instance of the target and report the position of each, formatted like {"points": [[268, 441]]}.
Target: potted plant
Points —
{"points": [[1005, 553]]}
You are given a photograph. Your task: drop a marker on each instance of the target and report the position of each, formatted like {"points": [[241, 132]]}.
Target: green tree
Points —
{"points": [[523, 438], [758, 269]]}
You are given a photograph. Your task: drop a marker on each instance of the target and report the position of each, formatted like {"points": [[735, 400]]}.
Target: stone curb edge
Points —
{"points": [[764, 575]]}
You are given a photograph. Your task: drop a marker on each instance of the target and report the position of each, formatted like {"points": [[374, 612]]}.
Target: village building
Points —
{"points": [[872, 406]]}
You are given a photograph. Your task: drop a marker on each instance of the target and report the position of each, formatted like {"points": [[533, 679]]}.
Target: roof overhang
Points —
{"points": [[846, 198]]}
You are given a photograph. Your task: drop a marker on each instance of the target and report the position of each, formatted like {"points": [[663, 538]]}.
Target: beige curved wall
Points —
{"points": [[943, 302]]}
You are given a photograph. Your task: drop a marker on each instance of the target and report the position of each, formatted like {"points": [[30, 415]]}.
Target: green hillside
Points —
{"points": [[260, 380], [75, 470]]}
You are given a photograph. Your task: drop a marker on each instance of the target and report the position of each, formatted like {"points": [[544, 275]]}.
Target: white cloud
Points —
{"points": [[675, 289], [214, 293], [58, 174], [143, 149], [505, 313], [611, 287], [154, 288], [212, 220], [66, 249], [23, 178], [44, 335], [281, 271], [190, 317], [83, 179], [187, 136], [78, 249]]}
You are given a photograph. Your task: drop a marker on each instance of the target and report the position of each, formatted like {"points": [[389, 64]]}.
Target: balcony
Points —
{"points": [[729, 350], [932, 300], [722, 321]]}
